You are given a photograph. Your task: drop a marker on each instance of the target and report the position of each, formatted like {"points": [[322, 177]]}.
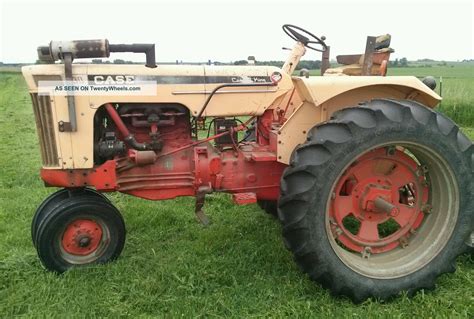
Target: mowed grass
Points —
{"points": [[171, 266]]}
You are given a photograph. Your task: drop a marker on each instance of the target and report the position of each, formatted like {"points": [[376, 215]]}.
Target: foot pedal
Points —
{"points": [[244, 198]]}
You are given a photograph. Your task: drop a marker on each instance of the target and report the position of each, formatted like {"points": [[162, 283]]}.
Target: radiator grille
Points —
{"points": [[45, 129]]}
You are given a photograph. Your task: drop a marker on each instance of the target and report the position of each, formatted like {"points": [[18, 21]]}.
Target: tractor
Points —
{"points": [[372, 186]]}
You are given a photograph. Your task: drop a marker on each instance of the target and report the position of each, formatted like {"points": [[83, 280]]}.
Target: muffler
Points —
{"points": [[83, 49]]}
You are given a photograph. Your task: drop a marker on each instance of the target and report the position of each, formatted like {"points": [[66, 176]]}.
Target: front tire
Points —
{"points": [[379, 199], [54, 199], [77, 231]]}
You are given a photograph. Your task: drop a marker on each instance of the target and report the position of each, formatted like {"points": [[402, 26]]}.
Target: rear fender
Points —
{"points": [[322, 96], [350, 90]]}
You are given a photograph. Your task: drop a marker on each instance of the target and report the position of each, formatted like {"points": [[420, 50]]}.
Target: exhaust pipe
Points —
{"points": [[82, 49], [148, 49]]}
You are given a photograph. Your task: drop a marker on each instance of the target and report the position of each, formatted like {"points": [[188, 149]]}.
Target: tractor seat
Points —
{"points": [[373, 62]]}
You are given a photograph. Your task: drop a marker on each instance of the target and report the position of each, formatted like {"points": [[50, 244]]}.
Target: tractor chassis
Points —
{"points": [[247, 170]]}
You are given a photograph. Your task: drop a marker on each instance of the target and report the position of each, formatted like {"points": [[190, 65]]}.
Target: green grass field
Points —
{"points": [[457, 88], [171, 266]]}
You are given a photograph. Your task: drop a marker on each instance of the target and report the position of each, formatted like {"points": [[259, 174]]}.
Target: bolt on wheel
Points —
{"points": [[82, 230], [379, 202], [379, 199], [55, 199], [84, 240], [396, 206]]}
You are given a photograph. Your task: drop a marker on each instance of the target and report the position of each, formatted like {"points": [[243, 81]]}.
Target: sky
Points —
{"points": [[230, 30]]}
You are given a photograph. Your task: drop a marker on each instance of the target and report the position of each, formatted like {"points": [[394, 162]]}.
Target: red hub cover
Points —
{"points": [[379, 201], [81, 237]]}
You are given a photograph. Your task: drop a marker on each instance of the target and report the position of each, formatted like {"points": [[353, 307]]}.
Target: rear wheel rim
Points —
{"points": [[423, 223]]}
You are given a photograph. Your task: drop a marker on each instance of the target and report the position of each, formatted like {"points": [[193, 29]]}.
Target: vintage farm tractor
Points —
{"points": [[373, 188]]}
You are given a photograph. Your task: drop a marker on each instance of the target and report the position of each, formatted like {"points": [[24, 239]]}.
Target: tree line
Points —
{"points": [[304, 64], [315, 64]]}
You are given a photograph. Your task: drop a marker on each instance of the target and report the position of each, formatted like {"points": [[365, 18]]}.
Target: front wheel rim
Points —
{"points": [[83, 240], [424, 223]]}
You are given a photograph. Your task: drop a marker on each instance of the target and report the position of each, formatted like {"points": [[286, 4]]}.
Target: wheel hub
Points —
{"points": [[84, 241], [378, 203], [372, 199], [81, 237]]}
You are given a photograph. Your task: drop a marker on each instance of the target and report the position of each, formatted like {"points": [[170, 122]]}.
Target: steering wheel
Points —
{"points": [[307, 38]]}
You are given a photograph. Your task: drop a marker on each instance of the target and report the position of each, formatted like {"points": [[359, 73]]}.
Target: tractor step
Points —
{"points": [[244, 198]]}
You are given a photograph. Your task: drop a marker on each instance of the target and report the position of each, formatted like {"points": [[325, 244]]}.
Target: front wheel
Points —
{"points": [[56, 198], [379, 199], [77, 231]]}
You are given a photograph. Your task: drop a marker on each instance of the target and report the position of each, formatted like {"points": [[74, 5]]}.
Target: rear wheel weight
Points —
{"points": [[434, 163], [81, 230]]}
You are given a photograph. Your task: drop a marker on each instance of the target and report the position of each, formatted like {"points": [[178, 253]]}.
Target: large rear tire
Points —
{"points": [[470, 243], [379, 199]]}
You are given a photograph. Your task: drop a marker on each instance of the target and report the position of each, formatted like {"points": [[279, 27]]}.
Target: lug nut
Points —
{"points": [[427, 209], [390, 150], [366, 252], [403, 242]]}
